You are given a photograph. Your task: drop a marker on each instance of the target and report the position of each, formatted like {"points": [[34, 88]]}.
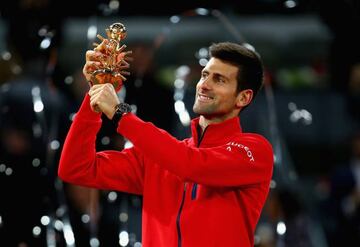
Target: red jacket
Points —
{"points": [[195, 193]]}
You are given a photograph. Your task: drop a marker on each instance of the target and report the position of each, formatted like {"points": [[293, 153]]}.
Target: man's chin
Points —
{"points": [[201, 112]]}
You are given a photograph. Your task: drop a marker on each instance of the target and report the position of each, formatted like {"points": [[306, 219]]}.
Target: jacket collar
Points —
{"points": [[215, 134]]}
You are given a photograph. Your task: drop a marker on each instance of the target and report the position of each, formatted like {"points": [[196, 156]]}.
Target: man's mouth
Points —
{"points": [[204, 98]]}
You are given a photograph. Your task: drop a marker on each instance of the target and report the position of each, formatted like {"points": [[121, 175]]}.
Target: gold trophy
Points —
{"points": [[114, 59]]}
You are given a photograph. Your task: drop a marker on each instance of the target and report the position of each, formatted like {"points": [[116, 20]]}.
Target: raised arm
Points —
{"points": [[81, 164], [246, 160]]}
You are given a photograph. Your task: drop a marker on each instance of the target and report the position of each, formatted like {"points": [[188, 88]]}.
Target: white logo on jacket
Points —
{"points": [[240, 146]]}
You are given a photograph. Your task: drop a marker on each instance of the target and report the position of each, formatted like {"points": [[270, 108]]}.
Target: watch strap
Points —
{"points": [[120, 110]]}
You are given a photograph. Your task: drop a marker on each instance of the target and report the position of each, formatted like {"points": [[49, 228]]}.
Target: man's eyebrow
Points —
{"points": [[222, 76]]}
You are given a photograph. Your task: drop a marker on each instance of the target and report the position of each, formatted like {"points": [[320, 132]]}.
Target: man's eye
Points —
{"points": [[221, 80]]}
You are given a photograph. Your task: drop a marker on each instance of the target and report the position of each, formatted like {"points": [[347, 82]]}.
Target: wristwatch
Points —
{"points": [[120, 110]]}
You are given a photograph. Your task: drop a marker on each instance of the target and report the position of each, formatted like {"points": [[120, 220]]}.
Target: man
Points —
{"points": [[207, 190]]}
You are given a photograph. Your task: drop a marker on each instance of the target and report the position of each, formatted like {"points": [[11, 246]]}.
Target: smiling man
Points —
{"points": [[207, 190]]}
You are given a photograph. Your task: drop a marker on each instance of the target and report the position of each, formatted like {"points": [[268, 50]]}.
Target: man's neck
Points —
{"points": [[204, 122]]}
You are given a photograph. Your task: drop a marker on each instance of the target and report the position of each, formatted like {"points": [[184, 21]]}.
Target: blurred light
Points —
{"points": [[114, 4], [36, 231], [35, 91], [112, 196], [137, 244], [6, 55], [133, 108], [182, 71], [69, 79], [138, 82], [290, 4], [303, 115], [128, 144], [298, 114], [105, 140], [45, 220], [179, 95], [54, 145], [202, 11], [2, 167], [185, 118], [174, 19], [36, 128], [257, 240], [123, 238], [281, 228], [1, 221], [203, 52], [179, 83], [36, 162], [123, 217], [85, 218], [38, 106], [273, 184], [60, 211], [132, 237], [68, 235], [265, 231], [42, 31], [91, 32], [45, 43], [16, 69], [94, 242], [8, 171], [292, 106], [203, 61], [179, 106], [58, 225], [72, 116]]}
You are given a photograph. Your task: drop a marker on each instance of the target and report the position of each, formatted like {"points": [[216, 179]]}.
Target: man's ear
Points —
{"points": [[244, 98]]}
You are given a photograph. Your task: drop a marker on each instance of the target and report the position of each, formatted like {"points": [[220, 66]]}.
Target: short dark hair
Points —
{"points": [[250, 75]]}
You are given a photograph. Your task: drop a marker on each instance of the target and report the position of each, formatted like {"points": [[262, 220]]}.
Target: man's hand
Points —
{"points": [[103, 97], [92, 63]]}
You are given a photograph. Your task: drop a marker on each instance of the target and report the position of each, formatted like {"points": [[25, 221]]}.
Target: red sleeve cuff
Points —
{"points": [[85, 112]]}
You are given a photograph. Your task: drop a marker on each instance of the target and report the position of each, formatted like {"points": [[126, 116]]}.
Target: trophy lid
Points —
{"points": [[117, 31]]}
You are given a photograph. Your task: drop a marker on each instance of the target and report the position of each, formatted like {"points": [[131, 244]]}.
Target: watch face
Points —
{"points": [[124, 108]]}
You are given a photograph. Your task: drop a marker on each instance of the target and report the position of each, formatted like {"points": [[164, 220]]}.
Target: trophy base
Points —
{"points": [[107, 76]]}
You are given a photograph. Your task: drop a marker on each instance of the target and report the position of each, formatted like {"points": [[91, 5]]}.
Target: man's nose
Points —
{"points": [[205, 84]]}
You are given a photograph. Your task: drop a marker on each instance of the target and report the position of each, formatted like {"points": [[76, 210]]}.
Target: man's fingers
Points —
{"points": [[89, 68], [96, 89], [94, 55]]}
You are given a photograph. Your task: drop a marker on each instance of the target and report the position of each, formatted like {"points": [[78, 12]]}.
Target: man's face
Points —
{"points": [[216, 95]]}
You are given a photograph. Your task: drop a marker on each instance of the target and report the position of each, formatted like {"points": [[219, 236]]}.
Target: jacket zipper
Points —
{"points": [[194, 188], [193, 196], [178, 216], [193, 192]]}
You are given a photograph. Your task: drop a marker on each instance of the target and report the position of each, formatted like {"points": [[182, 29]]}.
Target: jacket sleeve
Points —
{"points": [[81, 164], [246, 161]]}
